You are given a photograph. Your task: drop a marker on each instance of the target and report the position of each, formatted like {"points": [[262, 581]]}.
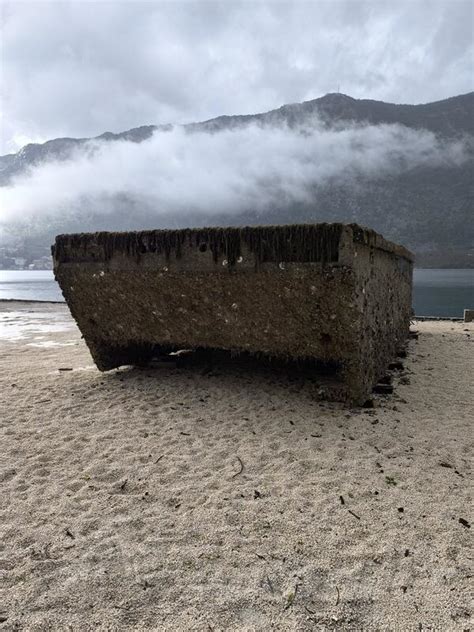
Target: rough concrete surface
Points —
{"points": [[336, 295]]}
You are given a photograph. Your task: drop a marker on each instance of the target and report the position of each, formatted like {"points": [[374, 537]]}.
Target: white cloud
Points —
{"points": [[251, 168]]}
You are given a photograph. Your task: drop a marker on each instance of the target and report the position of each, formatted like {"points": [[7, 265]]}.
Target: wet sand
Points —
{"points": [[189, 498]]}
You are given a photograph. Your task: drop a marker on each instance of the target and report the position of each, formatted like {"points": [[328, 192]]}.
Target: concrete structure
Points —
{"points": [[335, 295], [469, 315]]}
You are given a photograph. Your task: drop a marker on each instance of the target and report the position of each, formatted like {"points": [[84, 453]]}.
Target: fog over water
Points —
{"points": [[250, 168]]}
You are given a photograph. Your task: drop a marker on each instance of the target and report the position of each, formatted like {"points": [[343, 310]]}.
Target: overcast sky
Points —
{"points": [[82, 68]]}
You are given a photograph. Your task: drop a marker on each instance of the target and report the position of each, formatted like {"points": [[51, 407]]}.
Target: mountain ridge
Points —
{"points": [[428, 209], [331, 107]]}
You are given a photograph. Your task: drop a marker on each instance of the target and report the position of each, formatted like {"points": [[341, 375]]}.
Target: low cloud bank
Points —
{"points": [[251, 168]]}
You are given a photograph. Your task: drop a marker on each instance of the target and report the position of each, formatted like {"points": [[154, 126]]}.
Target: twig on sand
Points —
{"points": [[241, 467], [270, 585], [354, 514], [338, 597], [159, 459]]}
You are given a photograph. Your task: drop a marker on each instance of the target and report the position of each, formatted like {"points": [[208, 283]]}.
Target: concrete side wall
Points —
{"points": [[288, 311], [383, 296]]}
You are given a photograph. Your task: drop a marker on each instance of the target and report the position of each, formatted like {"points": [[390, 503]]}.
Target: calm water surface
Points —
{"points": [[32, 285], [436, 292]]}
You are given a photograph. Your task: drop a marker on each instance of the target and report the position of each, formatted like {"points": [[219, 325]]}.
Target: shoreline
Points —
{"points": [[29, 300]]}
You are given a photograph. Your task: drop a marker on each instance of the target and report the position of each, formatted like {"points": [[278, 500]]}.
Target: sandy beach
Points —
{"points": [[230, 498]]}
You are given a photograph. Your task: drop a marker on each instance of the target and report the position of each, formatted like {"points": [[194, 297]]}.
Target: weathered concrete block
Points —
{"points": [[335, 294], [469, 315]]}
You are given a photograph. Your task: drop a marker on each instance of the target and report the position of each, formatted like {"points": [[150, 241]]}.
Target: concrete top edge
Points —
{"points": [[370, 237], [115, 240]]}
